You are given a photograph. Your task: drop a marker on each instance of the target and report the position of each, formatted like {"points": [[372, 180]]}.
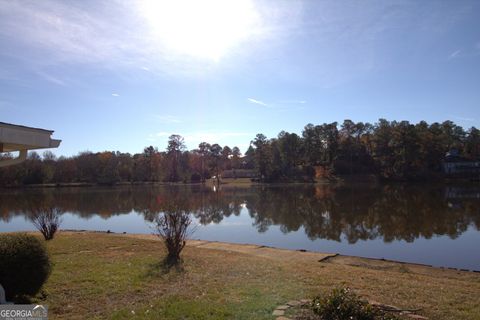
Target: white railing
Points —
{"points": [[3, 299]]}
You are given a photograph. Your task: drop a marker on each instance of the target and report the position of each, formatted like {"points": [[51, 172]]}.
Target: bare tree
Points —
{"points": [[174, 228], [47, 221]]}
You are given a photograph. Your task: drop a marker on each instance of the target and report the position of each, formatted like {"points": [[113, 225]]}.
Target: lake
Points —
{"points": [[435, 225]]}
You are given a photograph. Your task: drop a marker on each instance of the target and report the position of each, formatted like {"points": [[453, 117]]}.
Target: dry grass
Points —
{"points": [[117, 277]]}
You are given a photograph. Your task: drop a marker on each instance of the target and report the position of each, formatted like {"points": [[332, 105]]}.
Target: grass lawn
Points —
{"points": [[107, 276]]}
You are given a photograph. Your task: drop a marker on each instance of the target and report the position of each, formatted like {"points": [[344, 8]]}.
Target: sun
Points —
{"points": [[205, 29]]}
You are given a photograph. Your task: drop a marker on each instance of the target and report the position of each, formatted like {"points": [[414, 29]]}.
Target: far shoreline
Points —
{"points": [[243, 182]]}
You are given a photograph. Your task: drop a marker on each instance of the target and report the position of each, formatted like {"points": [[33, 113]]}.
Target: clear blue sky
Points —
{"points": [[120, 75]]}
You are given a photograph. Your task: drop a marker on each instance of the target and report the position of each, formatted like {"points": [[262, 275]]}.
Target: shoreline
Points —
{"points": [[276, 253], [243, 182]]}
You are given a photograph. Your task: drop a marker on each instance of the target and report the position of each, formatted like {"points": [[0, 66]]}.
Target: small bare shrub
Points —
{"points": [[47, 221], [174, 229]]}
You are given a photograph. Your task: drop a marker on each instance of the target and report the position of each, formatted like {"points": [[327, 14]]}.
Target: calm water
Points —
{"points": [[415, 223]]}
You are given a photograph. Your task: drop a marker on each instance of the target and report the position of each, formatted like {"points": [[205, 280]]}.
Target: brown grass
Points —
{"points": [[114, 276]]}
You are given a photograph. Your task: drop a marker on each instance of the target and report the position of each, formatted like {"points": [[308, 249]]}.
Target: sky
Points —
{"points": [[123, 75]]}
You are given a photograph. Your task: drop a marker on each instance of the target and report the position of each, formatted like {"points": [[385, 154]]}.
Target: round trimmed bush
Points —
{"points": [[24, 265]]}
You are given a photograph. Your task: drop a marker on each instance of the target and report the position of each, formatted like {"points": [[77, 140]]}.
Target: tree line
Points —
{"points": [[388, 149], [175, 164]]}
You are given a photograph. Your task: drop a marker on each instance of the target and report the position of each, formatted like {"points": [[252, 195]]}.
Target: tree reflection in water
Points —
{"points": [[390, 212]]}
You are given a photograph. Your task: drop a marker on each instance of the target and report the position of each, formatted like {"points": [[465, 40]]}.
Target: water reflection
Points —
{"points": [[352, 213]]}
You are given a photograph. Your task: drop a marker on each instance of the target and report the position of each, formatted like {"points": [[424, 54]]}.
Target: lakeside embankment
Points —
{"points": [[116, 276], [281, 253]]}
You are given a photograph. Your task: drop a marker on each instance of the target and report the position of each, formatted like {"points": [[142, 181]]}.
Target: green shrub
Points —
{"points": [[24, 265], [342, 304]]}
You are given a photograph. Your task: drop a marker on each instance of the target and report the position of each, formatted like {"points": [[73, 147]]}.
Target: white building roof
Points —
{"points": [[15, 138], [20, 138]]}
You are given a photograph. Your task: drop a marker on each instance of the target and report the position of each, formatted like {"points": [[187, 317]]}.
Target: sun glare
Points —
{"points": [[205, 29]]}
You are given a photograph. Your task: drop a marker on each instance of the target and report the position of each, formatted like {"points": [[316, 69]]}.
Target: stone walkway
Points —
{"points": [[262, 251], [251, 249], [279, 312]]}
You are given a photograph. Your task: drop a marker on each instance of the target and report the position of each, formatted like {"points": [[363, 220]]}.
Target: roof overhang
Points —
{"points": [[15, 138], [20, 138]]}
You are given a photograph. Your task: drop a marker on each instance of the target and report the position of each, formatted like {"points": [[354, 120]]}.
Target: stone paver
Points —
{"points": [[416, 316], [278, 312], [294, 303], [282, 307]]}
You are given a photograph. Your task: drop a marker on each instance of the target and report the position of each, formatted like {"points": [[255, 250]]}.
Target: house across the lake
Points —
{"points": [[455, 164]]}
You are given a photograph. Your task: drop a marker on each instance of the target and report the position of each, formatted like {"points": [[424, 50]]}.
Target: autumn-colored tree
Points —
{"points": [[175, 148]]}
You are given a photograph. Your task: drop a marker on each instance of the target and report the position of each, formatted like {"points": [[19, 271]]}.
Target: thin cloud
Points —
{"points": [[154, 137], [464, 53], [255, 101], [464, 118], [52, 79], [115, 95], [293, 101], [167, 119], [454, 54], [282, 105]]}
